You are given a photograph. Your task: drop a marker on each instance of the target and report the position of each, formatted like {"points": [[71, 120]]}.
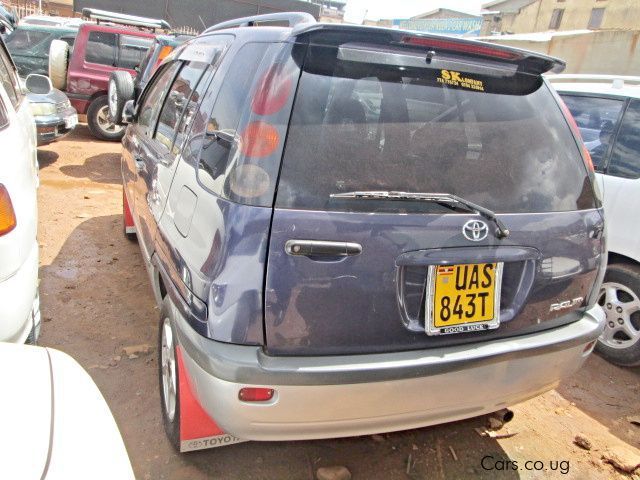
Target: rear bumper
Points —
{"points": [[325, 397], [19, 302]]}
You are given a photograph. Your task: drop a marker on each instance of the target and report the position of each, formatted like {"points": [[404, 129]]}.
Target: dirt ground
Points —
{"points": [[96, 300]]}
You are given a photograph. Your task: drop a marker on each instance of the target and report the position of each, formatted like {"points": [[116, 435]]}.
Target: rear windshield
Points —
{"points": [[375, 121]]}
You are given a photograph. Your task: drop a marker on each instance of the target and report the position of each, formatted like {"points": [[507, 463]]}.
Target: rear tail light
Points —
{"points": [[259, 139], [255, 394], [273, 92], [7, 214], [470, 48]]}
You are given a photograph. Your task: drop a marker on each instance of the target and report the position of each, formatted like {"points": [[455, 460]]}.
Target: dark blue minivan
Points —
{"points": [[353, 230]]}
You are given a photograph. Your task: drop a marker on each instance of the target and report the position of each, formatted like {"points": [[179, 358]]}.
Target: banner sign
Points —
{"points": [[445, 26]]}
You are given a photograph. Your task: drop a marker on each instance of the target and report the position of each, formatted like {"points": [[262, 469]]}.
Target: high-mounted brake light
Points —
{"points": [[273, 92], [474, 49], [255, 394], [7, 214], [259, 140]]}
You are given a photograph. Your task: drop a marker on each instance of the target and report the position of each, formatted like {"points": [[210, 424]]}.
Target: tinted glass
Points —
{"points": [[132, 51], [625, 159], [368, 124], [24, 39], [153, 96], [176, 102], [9, 79], [596, 119], [101, 48], [68, 40], [226, 114]]}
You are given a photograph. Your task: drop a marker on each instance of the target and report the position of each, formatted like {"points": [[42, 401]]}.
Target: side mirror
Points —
{"points": [[38, 84], [3, 29], [128, 112]]}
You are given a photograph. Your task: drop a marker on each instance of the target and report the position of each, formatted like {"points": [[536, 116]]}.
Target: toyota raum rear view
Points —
{"points": [[354, 231]]}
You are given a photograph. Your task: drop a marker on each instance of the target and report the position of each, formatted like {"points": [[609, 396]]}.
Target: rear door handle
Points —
{"points": [[322, 248]]}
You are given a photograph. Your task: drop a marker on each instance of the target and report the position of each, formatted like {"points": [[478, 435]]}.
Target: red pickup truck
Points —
{"points": [[100, 49]]}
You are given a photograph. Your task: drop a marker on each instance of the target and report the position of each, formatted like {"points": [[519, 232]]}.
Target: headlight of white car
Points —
{"points": [[43, 109]]}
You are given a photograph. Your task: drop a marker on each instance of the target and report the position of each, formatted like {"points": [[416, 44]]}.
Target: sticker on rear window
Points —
{"points": [[451, 77]]}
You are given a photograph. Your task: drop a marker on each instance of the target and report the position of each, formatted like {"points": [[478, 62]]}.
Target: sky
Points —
{"points": [[377, 9]]}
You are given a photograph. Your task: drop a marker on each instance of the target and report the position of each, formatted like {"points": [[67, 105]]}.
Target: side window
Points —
{"points": [[101, 48], [597, 119], [9, 79], [176, 102], [153, 95], [192, 107], [625, 159], [223, 120], [69, 41], [132, 51]]}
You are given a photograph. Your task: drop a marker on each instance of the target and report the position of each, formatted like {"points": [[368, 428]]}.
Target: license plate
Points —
{"points": [[463, 298], [71, 121]]}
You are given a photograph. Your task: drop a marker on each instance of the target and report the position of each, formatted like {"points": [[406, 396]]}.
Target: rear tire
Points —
{"points": [[168, 376], [121, 90], [620, 299], [98, 120], [58, 63]]}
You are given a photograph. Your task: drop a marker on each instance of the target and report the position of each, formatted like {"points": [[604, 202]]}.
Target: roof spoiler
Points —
{"points": [[526, 61], [122, 19], [290, 18]]}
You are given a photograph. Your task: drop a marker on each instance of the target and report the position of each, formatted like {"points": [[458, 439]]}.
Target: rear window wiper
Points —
{"points": [[446, 199]]}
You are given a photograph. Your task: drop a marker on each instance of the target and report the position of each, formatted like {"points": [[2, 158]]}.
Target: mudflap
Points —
{"points": [[129, 226], [198, 431]]}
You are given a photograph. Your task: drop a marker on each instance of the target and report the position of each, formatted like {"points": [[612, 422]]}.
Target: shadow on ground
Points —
{"points": [[99, 168], [46, 157], [595, 390]]}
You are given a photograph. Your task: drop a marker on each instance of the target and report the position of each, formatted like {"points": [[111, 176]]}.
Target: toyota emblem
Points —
{"points": [[475, 230]]}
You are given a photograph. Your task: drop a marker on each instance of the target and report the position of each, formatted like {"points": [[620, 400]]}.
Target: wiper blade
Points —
{"points": [[442, 198]]}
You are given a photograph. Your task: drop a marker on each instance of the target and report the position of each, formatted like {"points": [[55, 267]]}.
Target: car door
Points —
{"points": [[622, 185], [141, 132], [160, 148]]}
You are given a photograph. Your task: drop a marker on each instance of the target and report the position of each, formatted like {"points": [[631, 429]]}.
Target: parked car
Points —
{"points": [[123, 87], [353, 230], [99, 50], [19, 300], [29, 46], [49, 409], [607, 111], [54, 116], [51, 21]]}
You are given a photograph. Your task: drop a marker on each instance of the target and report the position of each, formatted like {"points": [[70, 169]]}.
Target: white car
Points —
{"points": [[19, 302], [607, 111], [55, 424]]}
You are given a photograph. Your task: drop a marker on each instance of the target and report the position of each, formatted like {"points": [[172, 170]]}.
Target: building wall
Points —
{"points": [[618, 14], [610, 52], [443, 13]]}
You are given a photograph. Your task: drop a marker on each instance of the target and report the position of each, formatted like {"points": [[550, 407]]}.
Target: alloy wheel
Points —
{"points": [[622, 308], [168, 369]]}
